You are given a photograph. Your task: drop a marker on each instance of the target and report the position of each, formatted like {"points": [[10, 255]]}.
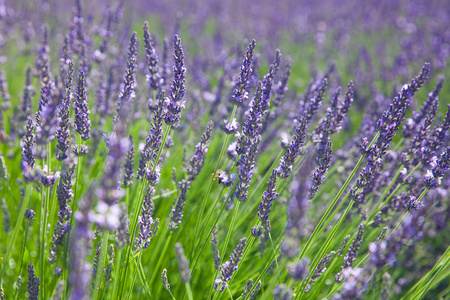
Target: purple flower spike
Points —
{"points": [[82, 123], [63, 132], [197, 160], [294, 150], [128, 165], [228, 268], [440, 167], [177, 212], [183, 264], [270, 195], [147, 225], [177, 90], [240, 93], [29, 142], [318, 175], [215, 251], [153, 141], [153, 76], [33, 283], [127, 94]]}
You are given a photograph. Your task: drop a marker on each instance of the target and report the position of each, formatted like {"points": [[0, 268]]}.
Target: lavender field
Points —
{"points": [[224, 149]]}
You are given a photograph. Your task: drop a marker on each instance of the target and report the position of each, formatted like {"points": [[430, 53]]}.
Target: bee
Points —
{"points": [[223, 178], [220, 175]]}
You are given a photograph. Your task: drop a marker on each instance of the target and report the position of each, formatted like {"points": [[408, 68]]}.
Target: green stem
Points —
{"points": [[230, 230], [441, 269], [134, 223], [319, 228], [189, 291], [25, 237], [143, 278], [101, 262], [418, 285], [227, 239], [73, 208], [324, 249], [158, 265], [193, 269], [267, 265], [118, 267], [208, 191], [43, 228]]}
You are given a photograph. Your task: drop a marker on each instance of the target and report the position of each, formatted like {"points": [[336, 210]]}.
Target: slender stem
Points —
{"points": [[444, 266], [136, 215], [42, 240], [208, 191], [273, 248], [319, 228], [133, 280], [189, 291], [212, 228], [158, 265], [230, 230], [418, 286], [118, 267], [101, 262], [267, 265], [25, 236], [73, 208], [143, 278]]}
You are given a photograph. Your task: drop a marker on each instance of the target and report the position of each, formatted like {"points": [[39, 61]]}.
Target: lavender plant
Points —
{"points": [[216, 171]]}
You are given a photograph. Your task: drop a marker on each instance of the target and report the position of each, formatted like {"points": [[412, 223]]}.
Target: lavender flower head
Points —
{"points": [[215, 251], [64, 195], [29, 141], [3, 170], [350, 257], [240, 91], [418, 130], [26, 106], [298, 270], [247, 162], [183, 263], [128, 165], [197, 160], [316, 101], [177, 212], [127, 93], [437, 138], [148, 226], [153, 142], [29, 214], [434, 176], [230, 127], [394, 116], [294, 150], [82, 123], [268, 81], [33, 283], [165, 280], [228, 268], [268, 197], [177, 89], [282, 84], [4, 95], [318, 175], [248, 287], [63, 132], [153, 77]]}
